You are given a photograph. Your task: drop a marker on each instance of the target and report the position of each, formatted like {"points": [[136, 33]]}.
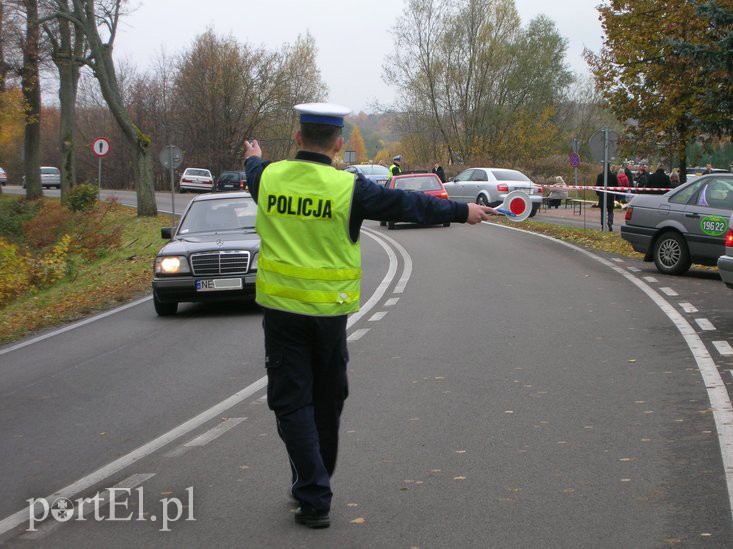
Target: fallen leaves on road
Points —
{"points": [[359, 520]]}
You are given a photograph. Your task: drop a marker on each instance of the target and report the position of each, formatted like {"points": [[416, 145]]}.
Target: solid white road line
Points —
{"points": [[669, 291], [378, 316], [723, 348], [50, 526], [720, 402], [688, 307], [74, 326], [407, 267], [205, 438], [705, 324]]}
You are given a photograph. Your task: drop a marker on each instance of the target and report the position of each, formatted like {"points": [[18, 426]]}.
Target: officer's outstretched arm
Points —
{"points": [[477, 213]]}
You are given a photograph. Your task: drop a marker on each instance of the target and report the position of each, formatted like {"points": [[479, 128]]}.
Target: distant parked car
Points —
{"points": [[687, 225], [489, 187], [376, 172], [212, 254], [3, 177], [426, 183], [50, 177], [196, 179], [231, 181]]}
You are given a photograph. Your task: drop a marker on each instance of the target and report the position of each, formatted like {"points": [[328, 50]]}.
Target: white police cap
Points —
{"points": [[322, 113], [398, 158]]}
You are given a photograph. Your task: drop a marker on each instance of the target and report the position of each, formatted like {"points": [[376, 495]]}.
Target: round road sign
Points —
{"points": [[100, 147], [574, 160], [597, 145], [171, 157]]}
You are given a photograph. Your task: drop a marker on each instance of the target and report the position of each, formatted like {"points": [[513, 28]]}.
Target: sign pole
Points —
{"points": [[173, 188], [99, 177], [605, 177]]}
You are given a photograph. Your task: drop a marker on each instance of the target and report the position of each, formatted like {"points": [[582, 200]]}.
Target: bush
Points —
{"points": [[15, 275], [14, 214], [52, 267], [82, 198], [50, 223]]}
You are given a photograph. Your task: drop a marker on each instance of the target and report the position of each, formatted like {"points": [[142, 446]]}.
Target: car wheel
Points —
{"points": [[481, 200], [671, 255], [390, 225], [446, 224], [535, 209], [164, 309], [382, 223]]}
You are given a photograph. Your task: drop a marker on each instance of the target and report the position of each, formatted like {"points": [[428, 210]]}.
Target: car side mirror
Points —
{"points": [[166, 233]]}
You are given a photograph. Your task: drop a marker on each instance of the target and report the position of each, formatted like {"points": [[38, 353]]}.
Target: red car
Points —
{"points": [[426, 183]]}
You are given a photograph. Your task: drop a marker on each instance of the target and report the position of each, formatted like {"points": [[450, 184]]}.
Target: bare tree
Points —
{"points": [[90, 17]]}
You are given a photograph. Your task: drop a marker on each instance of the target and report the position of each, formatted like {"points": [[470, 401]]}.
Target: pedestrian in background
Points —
{"points": [[629, 174], [438, 170], [623, 181], [658, 180], [642, 179], [674, 178], [609, 198], [309, 215]]}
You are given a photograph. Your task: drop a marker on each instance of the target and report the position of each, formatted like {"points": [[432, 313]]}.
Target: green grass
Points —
{"points": [[123, 273]]}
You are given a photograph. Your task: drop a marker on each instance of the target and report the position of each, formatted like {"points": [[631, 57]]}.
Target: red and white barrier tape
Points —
{"points": [[593, 188]]}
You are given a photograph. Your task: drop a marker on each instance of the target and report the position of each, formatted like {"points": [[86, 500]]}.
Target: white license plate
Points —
{"points": [[218, 284]]}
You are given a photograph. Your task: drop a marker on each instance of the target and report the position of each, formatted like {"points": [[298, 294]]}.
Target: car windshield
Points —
{"points": [[508, 175], [51, 171], [229, 176], [206, 216], [374, 169], [203, 173], [427, 183]]}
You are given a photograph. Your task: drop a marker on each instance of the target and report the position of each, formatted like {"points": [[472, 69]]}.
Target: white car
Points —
{"points": [[196, 179], [50, 177], [3, 177], [489, 187]]}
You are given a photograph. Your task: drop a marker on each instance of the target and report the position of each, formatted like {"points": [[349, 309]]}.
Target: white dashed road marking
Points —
{"points": [[378, 316], [705, 324], [650, 279], [391, 301], [688, 307], [208, 436], [358, 334], [669, 291], [634, 269], [617, 259], [723, 348]]}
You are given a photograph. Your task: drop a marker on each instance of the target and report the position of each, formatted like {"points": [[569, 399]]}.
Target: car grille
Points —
{"points": [[220, 263]]}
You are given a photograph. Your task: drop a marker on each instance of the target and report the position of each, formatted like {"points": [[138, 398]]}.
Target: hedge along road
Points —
{"points": [[514, 392]]}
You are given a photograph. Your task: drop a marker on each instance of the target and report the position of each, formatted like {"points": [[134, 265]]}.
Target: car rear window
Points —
{"points": [[508, 175], [427, 183], [207, 216], [50, 171], [203, 173], [374, 169]]}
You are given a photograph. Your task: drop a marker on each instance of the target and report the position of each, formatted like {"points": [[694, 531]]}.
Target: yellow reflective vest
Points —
{"points": [[307, 262], [392, 169]]}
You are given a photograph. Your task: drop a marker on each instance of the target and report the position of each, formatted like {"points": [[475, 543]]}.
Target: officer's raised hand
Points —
{"points": [[252, 148], [478, 213]]}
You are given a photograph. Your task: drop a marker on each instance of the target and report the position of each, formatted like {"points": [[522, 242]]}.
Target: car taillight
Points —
{"points": [[540, 190], [186, 180], [729, 238], [444, 195], [629, 211], [502, 188]]}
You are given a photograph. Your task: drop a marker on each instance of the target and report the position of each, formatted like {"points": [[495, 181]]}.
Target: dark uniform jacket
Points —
{"points": [[440, 173], [372, 201]]}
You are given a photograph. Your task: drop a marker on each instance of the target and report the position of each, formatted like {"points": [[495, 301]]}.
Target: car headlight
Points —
{"points": [[253, 266], [171, 265]]}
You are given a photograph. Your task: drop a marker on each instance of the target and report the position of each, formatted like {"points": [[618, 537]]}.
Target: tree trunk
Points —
{"points": [[68, 69], [104, 71], [682, 129], [32, 97], [3, 66]]}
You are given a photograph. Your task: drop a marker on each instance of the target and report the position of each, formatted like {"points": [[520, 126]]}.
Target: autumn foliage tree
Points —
{"points": [[356, 144], [643, 76]]}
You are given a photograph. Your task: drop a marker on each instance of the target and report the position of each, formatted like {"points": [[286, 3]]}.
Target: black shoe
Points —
{"points": [[312, 519], [610, 228]]}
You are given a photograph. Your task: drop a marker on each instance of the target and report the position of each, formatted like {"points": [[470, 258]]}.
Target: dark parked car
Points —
{"points": [[231, 181], [426, 183], [687, 225], [376, 172], [212, 254]]}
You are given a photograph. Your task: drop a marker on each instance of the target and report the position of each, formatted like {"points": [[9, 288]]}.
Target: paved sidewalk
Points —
{"points": [[583, 217]]}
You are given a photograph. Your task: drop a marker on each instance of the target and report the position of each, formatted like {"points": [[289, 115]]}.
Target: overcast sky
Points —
{"points": [[352, 36]]}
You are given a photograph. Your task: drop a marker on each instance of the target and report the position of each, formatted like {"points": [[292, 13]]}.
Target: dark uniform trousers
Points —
{"points": [[306, 361]]}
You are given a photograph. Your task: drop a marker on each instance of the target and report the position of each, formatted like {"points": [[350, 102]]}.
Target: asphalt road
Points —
{"points": [[506, 391]]}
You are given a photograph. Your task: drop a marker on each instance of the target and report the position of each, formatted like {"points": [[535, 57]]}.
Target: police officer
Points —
{"points": [[309, 270], [394, 169]]}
